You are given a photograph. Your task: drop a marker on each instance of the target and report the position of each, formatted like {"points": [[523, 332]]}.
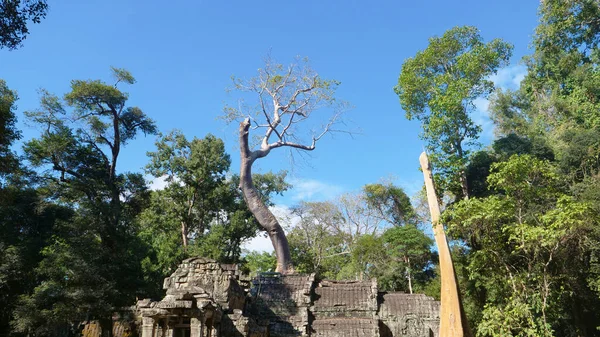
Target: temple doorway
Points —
{"points": [[182, 328]]}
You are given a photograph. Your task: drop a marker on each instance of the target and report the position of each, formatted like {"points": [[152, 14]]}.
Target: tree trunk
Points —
{"points": [[115, 150], [184, 235], [409, 275], [462, 174], [464, 185], [258, 208], [453, 322]]}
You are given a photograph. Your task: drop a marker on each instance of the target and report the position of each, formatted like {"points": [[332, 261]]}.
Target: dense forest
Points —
{"points": [[79, 238]]}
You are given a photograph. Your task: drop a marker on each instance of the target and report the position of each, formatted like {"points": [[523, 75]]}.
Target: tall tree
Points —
{"points": [[563, 81], [391, 203], [193, 170], [529, 249], [14, 17], [286, 101], [438, 86], [200, 203], [80, 150], [410, 248]]}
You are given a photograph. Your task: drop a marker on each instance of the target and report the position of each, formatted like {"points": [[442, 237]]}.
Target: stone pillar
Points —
{"points": [[170, 328], [148, 327], [195, 327]]}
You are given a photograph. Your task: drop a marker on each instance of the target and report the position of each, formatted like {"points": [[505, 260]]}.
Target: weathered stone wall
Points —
{"points": [[408, 315], [204, 278], [282, 303], [345, 299], [345, 309], [297, 305], [206, 298]]}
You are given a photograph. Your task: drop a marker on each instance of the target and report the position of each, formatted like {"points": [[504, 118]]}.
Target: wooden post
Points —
{"points": [[453, 322]]}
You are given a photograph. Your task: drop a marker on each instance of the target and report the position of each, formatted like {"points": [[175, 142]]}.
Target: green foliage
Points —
{"points": [[326, 240], [524, 242], [199, 204], [8, 130], [411, 259], [409, 243], [563, 82], [391, 203], [195, 171], [502, 149], [257, 262], [579, 153], [534, 218], [516, 318], [93, 261], [316, 243], [438, 87], [27, 223], [14, 17], [162, 234], [367, 257], [508, 110]]}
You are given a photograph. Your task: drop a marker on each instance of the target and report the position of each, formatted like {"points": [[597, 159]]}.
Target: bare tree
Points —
{"points": [[360, 218], [284, 116]]}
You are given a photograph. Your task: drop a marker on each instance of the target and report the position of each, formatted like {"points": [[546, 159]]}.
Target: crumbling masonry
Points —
{"points": [[208, 299]]}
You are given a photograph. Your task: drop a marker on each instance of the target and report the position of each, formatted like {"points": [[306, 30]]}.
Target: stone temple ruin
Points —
{"points": [[208, 299]]}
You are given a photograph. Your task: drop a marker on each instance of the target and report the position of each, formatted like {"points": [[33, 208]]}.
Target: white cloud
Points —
{"points": [[159, 183], [261, 243], [509, 77], [313, 190]]}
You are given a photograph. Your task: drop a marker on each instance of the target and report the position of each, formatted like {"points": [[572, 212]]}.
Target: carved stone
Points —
{"points": [[207, 299]]}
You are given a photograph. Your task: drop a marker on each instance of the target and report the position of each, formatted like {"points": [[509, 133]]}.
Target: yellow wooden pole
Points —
{"points": [[452, 317]]}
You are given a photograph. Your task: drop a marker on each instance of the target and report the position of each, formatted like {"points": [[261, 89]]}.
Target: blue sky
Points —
{"points": [[183, 54]]}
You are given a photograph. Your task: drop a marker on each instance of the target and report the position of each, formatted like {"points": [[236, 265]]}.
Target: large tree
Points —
{"points": [[563, 81], [193, 170], [438, 86], [14, 17], [317, 243], [409, 248], [390, 202], [529, 252], [92, 261], [201, 211], [286, 99]]}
